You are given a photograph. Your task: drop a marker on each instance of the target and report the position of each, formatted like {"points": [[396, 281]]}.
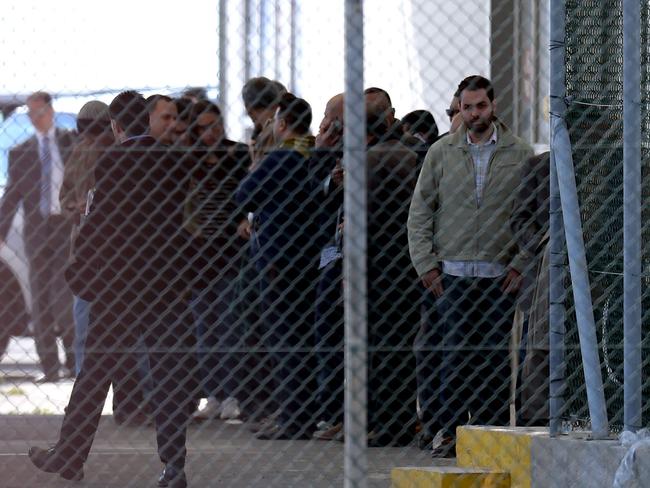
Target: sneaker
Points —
{"points": [[230, 409], [443, 446], [329, 432], [211, 410]]}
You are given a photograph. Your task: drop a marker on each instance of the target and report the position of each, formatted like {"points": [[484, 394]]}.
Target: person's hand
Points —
{"points": [[330, 137], [512, 282], [244, 229], [433, 281], [338, 173]]}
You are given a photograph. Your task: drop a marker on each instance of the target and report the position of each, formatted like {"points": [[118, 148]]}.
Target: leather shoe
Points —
{"points": [[49, 461], [172, 477]]}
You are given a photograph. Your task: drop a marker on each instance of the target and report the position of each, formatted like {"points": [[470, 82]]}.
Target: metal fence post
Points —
{"points": [[557, 312], [561, 144], [222, 98], [355, 246], [632, 362]]}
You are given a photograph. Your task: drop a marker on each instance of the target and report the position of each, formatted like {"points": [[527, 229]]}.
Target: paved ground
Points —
{"points": [[220, 454]]}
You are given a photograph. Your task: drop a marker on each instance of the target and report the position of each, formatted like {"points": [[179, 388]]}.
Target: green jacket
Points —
{"points": [[444, 221]]}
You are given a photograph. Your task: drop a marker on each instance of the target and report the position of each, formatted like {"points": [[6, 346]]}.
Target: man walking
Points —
{"points": [[130, 265], [463, 250], [35, 178]]}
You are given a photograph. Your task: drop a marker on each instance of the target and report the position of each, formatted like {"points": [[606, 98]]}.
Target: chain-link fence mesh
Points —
{"points": [[595, 119], [174, 239]]}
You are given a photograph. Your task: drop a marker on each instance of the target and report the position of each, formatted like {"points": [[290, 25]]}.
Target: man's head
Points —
{"points": [[93, 119], [129, 115], [421, 124], [453, 112], [454, 107], [209, 130], [477, 106], [292, 118], [333, 114], [261, 96], [162, 118], [40, 111], [378, 102]]}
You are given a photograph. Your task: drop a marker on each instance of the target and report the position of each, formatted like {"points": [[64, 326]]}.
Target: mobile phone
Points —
{"points": [[338, 126]]}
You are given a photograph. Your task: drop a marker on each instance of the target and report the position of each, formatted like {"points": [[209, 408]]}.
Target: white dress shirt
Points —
{"points": [[57, 169]]}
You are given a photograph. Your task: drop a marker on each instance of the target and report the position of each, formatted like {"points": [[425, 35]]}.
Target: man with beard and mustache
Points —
{"points": [[463, 250]]}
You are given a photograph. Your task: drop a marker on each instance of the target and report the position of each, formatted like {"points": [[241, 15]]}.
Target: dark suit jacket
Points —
{"points": [[24, 186], [131, 252], [278, 192]]}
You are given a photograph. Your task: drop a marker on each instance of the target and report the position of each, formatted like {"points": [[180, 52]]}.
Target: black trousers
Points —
{"points": [[110, 345], [287, 295], [51, 297]]}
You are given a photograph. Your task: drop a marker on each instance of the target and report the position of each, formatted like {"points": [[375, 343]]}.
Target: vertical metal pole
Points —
{"points": [[264, 37], [293, 52], [247, 40], [563, 160], [223, 57], [278, 34], [632, 214], [557, 312], [355, 250]]}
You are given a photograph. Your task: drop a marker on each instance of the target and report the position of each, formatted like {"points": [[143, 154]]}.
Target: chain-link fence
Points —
{"points": [[258, 294]]}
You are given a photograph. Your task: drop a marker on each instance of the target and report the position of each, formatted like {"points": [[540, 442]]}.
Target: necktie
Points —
{"points": [[46, 177]]}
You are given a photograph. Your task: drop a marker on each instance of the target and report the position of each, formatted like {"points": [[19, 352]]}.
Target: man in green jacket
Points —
{"points": [[463, 250]]}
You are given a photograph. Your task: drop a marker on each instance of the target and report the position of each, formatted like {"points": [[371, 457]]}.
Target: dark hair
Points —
{"points": [[296, 111], [129, 110], [205, 106], [185, 107], [422, 121], [153, 100], [197, 92], [374, 89], [40, 95], [476, 82], [262, 93]]}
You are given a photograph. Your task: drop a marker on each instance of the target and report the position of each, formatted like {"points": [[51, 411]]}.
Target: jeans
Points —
{"points": [[477, 322], [219, 336]]}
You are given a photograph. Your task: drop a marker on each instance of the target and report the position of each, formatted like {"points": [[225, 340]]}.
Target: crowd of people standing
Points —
{"points": [[205, 268]]}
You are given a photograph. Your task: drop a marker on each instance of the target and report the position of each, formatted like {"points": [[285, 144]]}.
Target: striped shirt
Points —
{"points": [[481, 155]]}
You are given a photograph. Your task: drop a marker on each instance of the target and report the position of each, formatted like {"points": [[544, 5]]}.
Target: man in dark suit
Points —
{"points": [[130, 264], [35, 178]]}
